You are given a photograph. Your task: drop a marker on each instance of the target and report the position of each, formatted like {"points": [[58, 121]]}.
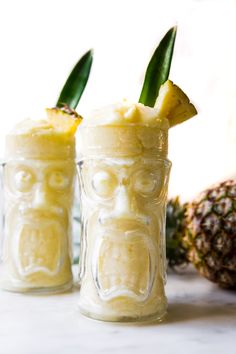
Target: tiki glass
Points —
{"points": [[123, 173], [38, 179]]}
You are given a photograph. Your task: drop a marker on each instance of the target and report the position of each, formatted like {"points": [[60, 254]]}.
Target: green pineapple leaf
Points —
{"points": [[76, 82], [158, 69]]}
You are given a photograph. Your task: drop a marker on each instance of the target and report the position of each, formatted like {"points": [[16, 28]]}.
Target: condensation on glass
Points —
{"points": [[123, 173]]}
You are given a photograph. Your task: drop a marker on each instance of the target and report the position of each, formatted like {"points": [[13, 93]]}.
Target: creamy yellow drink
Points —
{"points": [[38, 188], [124, 174]]}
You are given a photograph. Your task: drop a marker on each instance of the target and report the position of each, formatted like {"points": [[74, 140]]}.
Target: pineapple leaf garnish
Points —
{"points": [[158, 69], [76, 82]]}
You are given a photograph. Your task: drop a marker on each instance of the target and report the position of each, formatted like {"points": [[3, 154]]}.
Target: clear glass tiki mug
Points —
{"points": [[38, 188], [123, 173]]}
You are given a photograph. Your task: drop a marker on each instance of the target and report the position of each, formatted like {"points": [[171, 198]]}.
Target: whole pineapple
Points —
{"points": [[204, 233]]}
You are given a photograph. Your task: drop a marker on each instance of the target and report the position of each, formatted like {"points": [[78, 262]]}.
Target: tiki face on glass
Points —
{"points": [[123, 216], [37, 196], [125, 198]]}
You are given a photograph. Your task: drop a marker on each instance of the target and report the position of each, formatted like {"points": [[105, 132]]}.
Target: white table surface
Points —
{"points": [[201, 319]]}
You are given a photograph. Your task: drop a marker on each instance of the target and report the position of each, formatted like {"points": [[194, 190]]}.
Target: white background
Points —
{"points": [[40, 41]]}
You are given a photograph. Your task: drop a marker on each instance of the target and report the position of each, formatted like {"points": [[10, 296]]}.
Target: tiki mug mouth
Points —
{"points": [[38, 247], [123, 263], [35, 240]]}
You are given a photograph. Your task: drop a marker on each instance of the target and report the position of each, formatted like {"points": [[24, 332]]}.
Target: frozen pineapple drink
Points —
{"points": [[38, 190], [124, 174]]}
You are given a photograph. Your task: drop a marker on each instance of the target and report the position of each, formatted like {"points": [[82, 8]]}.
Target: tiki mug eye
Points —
{"points": [[104, 184], [24, 180], [58, 180], [151, 181], [145, 182]]}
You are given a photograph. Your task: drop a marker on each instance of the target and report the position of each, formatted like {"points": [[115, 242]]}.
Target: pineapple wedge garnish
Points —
{"points": [[64, 120], [173, 104]]}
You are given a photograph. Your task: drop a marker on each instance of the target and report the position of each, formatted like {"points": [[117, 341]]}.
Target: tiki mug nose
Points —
{"points": [[40, 199], [123, 205]]}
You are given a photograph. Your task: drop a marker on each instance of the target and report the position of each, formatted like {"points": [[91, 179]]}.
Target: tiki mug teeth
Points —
{"points": [[123, 174], [38, 188]]}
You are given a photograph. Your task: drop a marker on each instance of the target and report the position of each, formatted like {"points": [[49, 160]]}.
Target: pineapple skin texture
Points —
{"points": [[210, 234]]}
